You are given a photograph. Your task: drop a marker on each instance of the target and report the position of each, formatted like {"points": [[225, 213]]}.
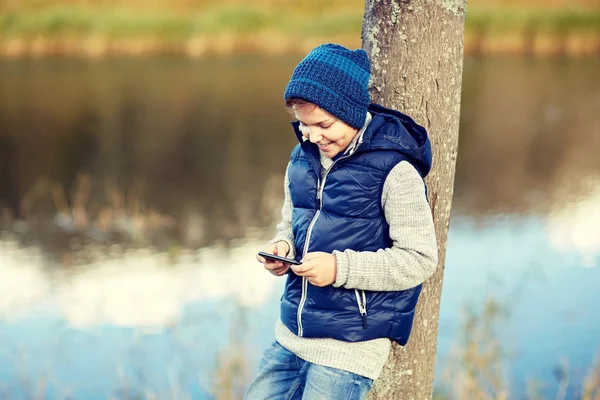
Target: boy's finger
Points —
{"points": [[281, 249], [276, 264], [308, 264], [280, 268], [308, 275], [280, 272], [302, 269]]}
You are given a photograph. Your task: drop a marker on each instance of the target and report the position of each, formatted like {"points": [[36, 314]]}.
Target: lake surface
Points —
{"points": [[134, 194]]}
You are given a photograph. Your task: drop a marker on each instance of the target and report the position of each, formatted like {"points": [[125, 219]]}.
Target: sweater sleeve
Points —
{"points": [[413, 255], [284, 227]]}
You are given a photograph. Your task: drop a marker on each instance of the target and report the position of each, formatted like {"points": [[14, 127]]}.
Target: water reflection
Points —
{"points": [[136, 289], [134, 194], [576, 227], [530, 130], [134, 143], [179, 153], [133, 325]]}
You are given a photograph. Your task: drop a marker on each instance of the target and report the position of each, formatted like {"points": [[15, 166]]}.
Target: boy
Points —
{"points": [[356, 215]]}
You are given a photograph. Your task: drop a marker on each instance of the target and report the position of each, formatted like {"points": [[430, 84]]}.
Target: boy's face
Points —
{"points": [[331, 134]]}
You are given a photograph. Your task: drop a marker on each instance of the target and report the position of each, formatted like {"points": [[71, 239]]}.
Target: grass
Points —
{"points": [[126, 23], [268, 26], [479, 360], [505, 20]]}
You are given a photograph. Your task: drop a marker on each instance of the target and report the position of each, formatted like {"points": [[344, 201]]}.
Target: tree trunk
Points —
{"points": [[416, 51]]}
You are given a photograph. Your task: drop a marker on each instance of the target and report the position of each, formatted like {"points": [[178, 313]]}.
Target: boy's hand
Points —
{"points": [[276, 267], [318, 267]]}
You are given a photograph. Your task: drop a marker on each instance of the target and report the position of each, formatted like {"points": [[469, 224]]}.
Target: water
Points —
{"points": [[135, 194]]}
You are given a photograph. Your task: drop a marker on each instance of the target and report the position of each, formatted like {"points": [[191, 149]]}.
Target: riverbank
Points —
{"points": [[99, 32]]}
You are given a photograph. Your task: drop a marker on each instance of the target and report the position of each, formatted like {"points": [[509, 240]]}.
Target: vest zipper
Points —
{"points": [[304, 280], [320, 186], [361, 300]]}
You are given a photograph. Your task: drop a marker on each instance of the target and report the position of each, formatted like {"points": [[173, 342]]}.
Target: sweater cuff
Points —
{"points": [[292, 253], [341, 276]]}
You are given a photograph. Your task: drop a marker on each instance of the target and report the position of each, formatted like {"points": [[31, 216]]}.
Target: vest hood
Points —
{"points": [[393, 130]]}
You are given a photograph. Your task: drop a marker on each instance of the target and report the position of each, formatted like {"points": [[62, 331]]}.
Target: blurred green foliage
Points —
{"points": [[98, 27], [553, 21], [121, 22]]}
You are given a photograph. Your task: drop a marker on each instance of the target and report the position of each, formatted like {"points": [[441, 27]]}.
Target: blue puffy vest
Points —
{"points": [[344, 211]]}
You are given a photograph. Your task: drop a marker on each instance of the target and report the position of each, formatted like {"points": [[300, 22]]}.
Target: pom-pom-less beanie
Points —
{"points": [[336, 79]]}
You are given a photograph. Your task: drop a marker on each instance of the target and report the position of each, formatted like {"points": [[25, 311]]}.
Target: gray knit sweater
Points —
{"points": [[409, 262]]}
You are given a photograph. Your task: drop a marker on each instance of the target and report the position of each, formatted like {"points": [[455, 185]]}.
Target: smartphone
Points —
{"points": [[278, 258]]}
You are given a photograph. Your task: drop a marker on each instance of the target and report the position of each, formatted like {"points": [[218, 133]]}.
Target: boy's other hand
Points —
{"points": [[318, 267], [277, 268]]}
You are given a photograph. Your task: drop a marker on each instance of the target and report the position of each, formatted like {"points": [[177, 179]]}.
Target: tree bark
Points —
{"points": [[416, 51]]}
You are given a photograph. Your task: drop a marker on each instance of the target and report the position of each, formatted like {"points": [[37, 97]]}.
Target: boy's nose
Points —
{"points": [[314, 136]]}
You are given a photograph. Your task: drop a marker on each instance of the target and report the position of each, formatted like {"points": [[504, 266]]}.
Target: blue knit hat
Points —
{"points": [[336, 79]]}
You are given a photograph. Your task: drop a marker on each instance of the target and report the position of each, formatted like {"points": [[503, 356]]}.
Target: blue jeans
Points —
{"points": [[284, 376]]}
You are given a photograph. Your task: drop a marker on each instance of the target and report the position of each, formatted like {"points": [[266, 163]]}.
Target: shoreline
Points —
{"points": [[96, 32], [574, 45]]}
